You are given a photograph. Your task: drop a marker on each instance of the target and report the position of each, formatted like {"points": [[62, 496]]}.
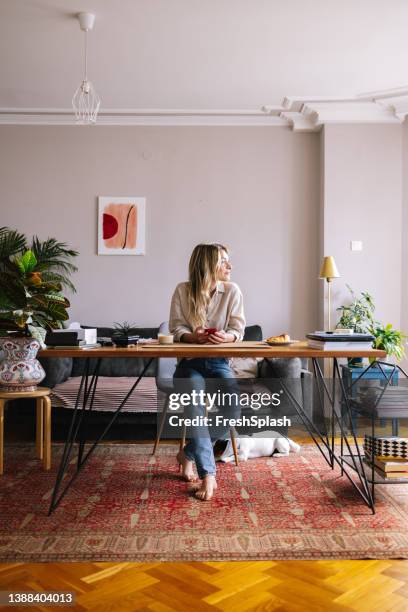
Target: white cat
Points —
{"points": [[262, 444]]}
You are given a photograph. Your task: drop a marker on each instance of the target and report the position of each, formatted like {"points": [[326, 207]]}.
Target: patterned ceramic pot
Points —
{"points": [[19, 368]]}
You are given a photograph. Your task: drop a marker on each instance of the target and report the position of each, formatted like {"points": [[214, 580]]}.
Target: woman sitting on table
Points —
{"points": [[208, 301]]}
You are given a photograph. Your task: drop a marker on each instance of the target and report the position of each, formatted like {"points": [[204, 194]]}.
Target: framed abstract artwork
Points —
{"points": [[121, 226]]}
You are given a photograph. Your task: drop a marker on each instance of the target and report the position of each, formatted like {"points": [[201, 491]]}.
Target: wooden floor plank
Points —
{"points": [[305, 573], [169, 595], [240, 591], [106, 572], [184, 580], [250, 597], [312, 595]]}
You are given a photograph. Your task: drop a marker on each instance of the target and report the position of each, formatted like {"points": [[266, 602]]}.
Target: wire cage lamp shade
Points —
{"points": [[86, 103], [85, 100]]}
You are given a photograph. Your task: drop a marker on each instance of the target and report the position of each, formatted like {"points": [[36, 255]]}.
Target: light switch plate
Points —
{"points": [[356, 245]]}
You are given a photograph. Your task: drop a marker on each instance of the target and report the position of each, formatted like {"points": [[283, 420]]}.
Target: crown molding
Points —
{"points": [[302, 114], [299, 122], [145, 117], [394, 100], [311, 113]]}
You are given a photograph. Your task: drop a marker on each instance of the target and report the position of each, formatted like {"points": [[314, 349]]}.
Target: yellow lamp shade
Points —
{"points": [[329, 268]]}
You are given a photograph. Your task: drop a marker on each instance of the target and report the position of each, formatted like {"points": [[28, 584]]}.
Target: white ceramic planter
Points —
{"points": [[19, 368]]}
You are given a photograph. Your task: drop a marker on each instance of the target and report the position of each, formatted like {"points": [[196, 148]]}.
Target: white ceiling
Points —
{"points": [[201, 54]]}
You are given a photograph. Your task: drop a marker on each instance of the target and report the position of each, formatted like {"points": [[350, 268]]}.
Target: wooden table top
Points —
{"points": [[228, 349]]}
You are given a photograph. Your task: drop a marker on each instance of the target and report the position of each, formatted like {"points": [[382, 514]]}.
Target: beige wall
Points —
{"points": [[362, 200], [254, 188]]}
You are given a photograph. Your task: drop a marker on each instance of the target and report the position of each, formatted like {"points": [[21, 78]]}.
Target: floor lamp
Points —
{"points": [[329, 271]]}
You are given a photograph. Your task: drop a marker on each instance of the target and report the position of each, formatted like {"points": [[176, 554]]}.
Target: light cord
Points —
{"points": [[86, 55]]}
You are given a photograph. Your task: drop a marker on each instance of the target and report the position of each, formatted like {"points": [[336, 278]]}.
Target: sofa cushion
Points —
{"points": [[278, 367], [253, 333], [247, 367], [109, 393], [57, 369]]}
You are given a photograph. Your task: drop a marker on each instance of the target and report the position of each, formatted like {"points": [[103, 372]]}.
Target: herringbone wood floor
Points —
{"points": [[298, 586]]}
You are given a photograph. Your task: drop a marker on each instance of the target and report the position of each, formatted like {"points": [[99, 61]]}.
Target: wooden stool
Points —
{"points": [[43, 427]]}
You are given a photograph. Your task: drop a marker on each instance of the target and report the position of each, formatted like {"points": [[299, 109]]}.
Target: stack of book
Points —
{"points": [[332, 341], [390, 456], [390, 468]]}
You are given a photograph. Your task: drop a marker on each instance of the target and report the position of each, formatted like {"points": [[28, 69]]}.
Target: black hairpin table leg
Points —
{"points": [[357, 460], [325, 443], [88, 391]]}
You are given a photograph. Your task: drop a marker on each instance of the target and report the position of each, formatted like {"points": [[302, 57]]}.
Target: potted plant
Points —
{"points": [[31, 302], [124, 334], [358, 316], [389, 340]]}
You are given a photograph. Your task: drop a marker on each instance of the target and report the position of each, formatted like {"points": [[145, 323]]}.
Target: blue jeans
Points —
{"points": [[195, 372]]}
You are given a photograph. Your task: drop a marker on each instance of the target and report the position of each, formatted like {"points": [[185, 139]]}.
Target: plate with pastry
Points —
{"points": [[281, 340]]}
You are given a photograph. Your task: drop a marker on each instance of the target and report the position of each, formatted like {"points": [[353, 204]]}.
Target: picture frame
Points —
{"points": [[121, 225]]}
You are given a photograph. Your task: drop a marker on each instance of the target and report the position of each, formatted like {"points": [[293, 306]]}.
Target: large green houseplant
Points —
{"points": [[32, 278]]}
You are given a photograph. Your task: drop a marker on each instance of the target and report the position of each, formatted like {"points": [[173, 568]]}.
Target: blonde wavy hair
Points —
{"points": [[203, 274]]}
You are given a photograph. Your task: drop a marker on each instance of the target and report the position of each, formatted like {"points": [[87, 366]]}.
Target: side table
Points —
{"points": [[43, 422]]}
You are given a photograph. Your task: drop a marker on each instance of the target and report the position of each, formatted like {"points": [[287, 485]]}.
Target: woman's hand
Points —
{"points": [[199, 336], [220, 336]]}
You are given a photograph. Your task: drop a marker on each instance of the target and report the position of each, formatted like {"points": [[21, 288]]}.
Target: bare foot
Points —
{"points": [[186, 467], [207, 488]]}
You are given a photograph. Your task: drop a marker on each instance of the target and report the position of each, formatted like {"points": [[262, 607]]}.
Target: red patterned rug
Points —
{"points": [[129, 506]]}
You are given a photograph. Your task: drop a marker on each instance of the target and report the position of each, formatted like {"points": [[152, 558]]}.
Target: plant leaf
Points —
{"points": [[11, 243], [28, 262], [55, 257]]}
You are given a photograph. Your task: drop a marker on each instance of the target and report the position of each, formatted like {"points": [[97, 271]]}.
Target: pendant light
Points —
{"points": [[86, 101]]}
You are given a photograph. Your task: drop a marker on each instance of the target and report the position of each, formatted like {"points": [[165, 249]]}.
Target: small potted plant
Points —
{"points": [[358, 316], [389, 340], [124, 334], [31, 302]]}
